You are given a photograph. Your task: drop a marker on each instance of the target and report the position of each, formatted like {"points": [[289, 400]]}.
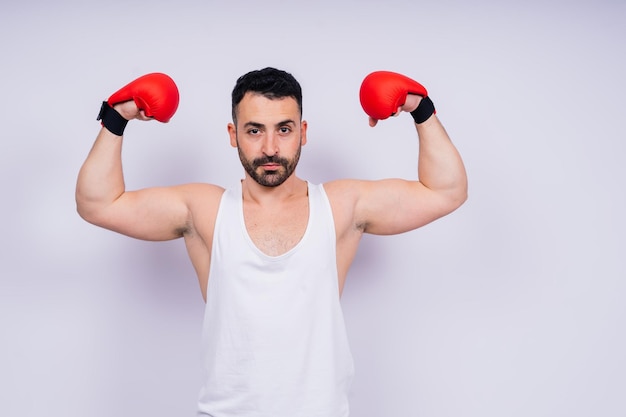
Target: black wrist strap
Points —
{"points": [[424, 110], [111, 119]]}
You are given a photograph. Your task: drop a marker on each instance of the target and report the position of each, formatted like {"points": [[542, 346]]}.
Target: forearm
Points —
{"points": [[100, 180], [440, 167]]}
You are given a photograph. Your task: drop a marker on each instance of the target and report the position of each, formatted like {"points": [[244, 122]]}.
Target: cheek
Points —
{"points": [[245, 147], [292, 147]]}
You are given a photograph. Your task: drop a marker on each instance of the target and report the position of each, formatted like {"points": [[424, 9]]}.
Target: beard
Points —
{"points": [[269, 178]]}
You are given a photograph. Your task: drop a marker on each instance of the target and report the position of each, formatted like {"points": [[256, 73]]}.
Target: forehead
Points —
{"points": [[258, 108]]}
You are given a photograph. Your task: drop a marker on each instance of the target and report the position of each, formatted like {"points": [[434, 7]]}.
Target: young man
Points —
{"points": [[272, 254]]}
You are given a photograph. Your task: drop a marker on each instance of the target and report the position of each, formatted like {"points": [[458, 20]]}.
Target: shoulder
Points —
{"points": [[201, 197], [342, 189], [344, 196], [346, 191], [202, 201], [200, 191]]}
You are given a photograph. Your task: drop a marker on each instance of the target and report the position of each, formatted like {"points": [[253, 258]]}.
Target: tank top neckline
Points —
{"points": [[249, 240]]}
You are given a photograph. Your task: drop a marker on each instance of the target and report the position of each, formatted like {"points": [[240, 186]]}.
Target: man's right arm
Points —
{"points": [[160, 213], [101, 197]]}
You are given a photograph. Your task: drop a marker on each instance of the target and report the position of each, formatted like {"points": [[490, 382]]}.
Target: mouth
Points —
{"points": [[270, 167]]}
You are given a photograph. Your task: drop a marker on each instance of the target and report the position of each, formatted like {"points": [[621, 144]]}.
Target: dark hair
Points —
{"points": [[269, 82]]}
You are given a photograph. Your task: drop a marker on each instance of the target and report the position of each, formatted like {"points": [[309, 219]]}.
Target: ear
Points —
{"points": [[303, 127], [232, 132]]}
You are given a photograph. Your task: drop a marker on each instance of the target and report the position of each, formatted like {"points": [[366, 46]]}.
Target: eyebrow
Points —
{"points": [[261, 125]]}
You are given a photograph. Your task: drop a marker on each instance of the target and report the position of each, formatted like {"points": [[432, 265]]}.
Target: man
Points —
{"points": [[272, 255]]}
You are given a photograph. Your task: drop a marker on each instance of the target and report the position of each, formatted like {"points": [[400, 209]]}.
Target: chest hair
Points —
{"points": [[277, 229]]}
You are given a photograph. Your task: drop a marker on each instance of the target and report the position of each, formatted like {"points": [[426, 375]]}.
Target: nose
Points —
{"points": [[270, 144]]}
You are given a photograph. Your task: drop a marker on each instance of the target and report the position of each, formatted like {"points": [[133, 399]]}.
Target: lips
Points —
{"points": [[271, 167]]}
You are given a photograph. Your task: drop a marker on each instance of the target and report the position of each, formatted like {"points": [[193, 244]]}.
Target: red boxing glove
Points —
{"points": [[156, 94], [382, 92]]}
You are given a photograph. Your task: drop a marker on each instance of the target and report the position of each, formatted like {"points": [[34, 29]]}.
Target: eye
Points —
{"points": [[254, 131], [284, 130]]}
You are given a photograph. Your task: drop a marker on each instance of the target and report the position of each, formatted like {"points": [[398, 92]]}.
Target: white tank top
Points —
{"points": [[274, 340]]}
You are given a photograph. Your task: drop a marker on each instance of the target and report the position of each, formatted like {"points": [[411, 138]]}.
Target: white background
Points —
{"points": [[511, 306]]}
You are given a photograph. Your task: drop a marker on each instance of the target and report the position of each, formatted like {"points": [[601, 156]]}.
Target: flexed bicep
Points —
{"points": [[396, 206]]}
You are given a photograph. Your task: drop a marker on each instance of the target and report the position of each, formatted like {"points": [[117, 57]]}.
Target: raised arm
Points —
{"points": [[101, 197], [396, 206]]}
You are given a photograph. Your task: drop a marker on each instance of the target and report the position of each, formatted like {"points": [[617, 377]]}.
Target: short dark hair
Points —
{"points": [[269, 82]]}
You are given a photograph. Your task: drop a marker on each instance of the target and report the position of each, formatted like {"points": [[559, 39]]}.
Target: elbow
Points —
{"points": [[84, 212], [90, 207], [456, 199], [94, 209], [461, 196], [88, 211], [461, 192], [457, 202], [81, 204]]}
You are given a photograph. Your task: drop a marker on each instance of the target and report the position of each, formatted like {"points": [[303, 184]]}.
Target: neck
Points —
{"points": [[257, 193]]}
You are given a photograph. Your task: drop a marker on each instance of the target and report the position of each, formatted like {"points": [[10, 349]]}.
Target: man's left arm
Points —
{"points": [[396, 206]]}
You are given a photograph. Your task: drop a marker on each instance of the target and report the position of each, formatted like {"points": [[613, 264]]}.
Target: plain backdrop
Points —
{"points": [[511, 306]]}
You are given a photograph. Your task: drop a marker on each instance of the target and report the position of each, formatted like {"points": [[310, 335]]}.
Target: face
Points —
{"points": [[269, 136]]}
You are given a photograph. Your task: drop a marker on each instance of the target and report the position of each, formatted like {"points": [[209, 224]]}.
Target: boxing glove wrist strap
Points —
{"points": [[111, 119], [424, 110]]}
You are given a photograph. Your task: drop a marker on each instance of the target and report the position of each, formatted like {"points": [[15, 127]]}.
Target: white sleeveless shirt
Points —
{"points": [[274, 340]]}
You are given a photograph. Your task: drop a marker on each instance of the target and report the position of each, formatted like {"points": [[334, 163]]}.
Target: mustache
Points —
{"points": [[270, 160]]}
